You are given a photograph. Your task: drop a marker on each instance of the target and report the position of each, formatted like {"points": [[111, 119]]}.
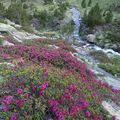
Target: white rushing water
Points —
{"points": [[83, 52], [76, 19]]}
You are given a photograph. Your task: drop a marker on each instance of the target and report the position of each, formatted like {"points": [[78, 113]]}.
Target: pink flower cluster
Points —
{"points": [[8, 99], [54, 106], [20, 91], [4, 55], [19, 103], [13, 117], [43, 86], [77, 95]]}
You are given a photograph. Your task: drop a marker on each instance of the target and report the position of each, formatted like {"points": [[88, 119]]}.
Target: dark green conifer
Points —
{"points": [[94, 16], [108, 16], [90, 2], [83, 3]]}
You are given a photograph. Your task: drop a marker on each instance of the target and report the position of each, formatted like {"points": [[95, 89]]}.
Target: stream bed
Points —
{"points": [[84, 50], [83, 53]]}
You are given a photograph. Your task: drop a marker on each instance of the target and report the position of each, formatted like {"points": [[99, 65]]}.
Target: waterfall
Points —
{"points": [[76, 16], [76, 19]]}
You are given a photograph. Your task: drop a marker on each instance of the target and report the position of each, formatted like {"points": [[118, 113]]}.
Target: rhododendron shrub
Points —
{"points": [[63, 44], [57, 57], [25, 101], [52, 85]]}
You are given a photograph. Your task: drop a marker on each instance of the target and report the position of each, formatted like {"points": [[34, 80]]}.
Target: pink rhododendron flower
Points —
{"points": [[46, 73], [19, 103], [5, 102], [6, 109], [53, 102], [41, 93], [46, 83], [43, 86], [20, 91], [94, 94], [13, 117], [9, 98], [34, 88], [113, 117], [85, 104], [14, 68], [26, 95], [95, 117], [50, 119], [87, 113], [62, 99], [4, 55], [67, 94], [81, 100]]}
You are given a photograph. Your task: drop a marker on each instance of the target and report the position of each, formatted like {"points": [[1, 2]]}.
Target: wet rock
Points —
{"points": [[7, 63], [17, 35], [53, 46], [13, 24], [91, 38], [1, 78], [100, 36], [36, 23], [114, 46], [112, 108], [6, 43], [1, 36]]}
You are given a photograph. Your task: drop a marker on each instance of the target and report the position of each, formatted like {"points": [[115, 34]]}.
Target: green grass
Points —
{"points": [[112, 68], [1, 41], [102, 57]]}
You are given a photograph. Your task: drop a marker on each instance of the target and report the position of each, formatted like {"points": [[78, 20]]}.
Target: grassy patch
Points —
{"points": [[114, 37], [67, 29], [101, 56], [1, 41], [112, 68]]}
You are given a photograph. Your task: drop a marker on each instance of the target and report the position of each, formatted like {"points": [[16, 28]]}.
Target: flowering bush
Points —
{"points": [[51, 85], [60, 43]]}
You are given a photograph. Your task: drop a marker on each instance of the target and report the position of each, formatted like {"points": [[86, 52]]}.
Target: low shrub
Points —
{"points": [[45, 42], [1, 41], [51, 84], [114, 37], [101, 56], [111, 68]]}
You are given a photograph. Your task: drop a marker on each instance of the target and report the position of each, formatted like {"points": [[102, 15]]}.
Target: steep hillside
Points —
{"points": [[39, 83], [104, 4], [59, 60]]}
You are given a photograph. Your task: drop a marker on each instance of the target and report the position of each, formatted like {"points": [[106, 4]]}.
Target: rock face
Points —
{"points": [[112, 108], [7, 63], [6, 43], [1, 78], [13, 24], [17, 35], [36, 24], [91, 38]]}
